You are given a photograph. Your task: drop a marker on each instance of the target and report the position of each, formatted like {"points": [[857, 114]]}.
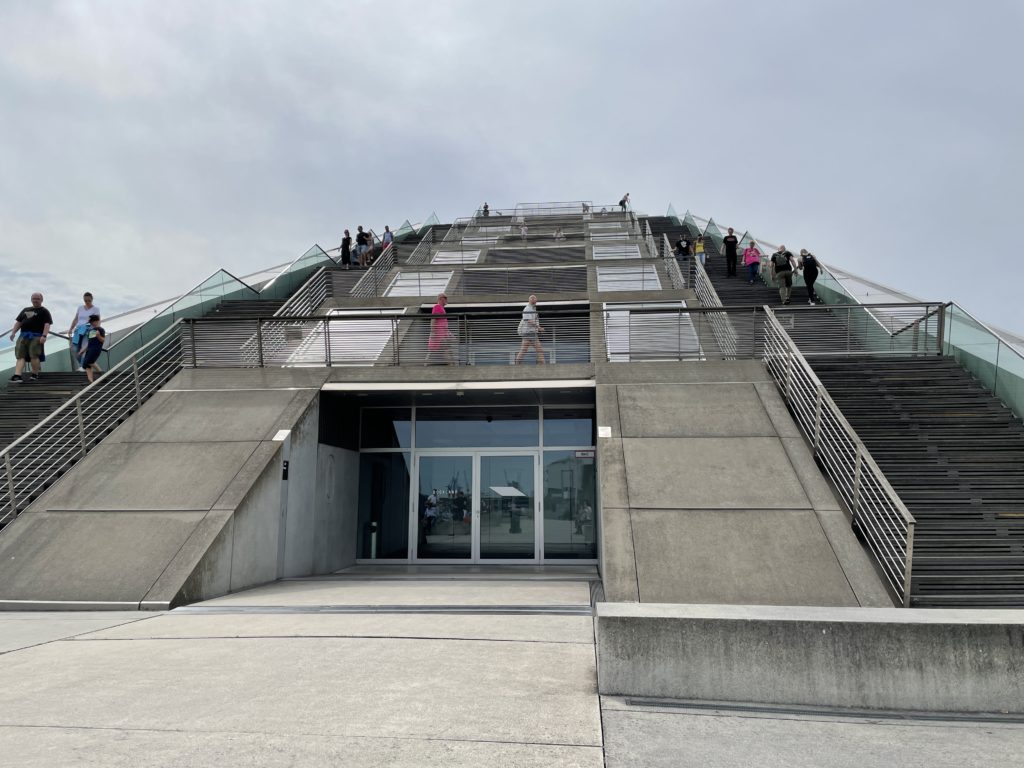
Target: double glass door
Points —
{"points": [[476, 506]]}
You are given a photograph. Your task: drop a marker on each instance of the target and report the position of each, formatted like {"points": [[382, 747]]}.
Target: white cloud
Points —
{"points": [[159, 141]]}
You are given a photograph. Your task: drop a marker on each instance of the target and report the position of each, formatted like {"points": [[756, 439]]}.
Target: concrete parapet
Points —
{"points": [[876, 658]]}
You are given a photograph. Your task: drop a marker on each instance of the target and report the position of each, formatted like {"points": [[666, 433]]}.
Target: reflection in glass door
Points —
{"points": [[507, 504], [444, 508]]}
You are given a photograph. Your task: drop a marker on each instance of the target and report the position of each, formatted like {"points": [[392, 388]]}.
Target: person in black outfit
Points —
{"points": [[782, 272], [487, 210], [731, 243], [682, 246], [346, 250], [362, 247], [809, 265]]}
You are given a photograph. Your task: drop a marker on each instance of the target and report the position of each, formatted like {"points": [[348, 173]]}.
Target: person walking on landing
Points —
{"points": [[34, 324], [624, 202], [782, 271], [731, 243], [441, 338], [530, 329], [362, 246]]}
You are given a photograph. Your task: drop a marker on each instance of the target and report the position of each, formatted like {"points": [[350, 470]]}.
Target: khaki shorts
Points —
{"points": [[28, 349]]}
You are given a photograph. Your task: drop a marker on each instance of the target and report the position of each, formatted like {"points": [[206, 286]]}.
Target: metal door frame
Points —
{"points": [[475, 454]]}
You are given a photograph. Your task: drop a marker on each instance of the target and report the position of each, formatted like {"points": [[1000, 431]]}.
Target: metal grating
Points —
{"points": [[418, 283], [668, 335], [642, 277], [342, 340], [523, 281], [616, 251], [456, 257]]}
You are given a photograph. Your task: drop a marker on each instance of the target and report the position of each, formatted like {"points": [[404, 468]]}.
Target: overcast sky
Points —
{"points": [[143, 145]]}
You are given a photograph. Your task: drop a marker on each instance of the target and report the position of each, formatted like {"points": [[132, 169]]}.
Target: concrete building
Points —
{"points": [[686, 449]]}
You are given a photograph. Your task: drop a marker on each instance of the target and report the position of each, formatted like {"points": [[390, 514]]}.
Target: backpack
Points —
{"points": [[781, 261]]}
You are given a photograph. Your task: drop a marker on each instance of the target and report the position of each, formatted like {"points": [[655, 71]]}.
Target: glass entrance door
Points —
{"points": [[444, 508], [508, 507], [476, 507]]}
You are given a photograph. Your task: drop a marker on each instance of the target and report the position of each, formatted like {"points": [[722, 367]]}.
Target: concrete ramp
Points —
{"points": [[710, 495], [183, 501]]}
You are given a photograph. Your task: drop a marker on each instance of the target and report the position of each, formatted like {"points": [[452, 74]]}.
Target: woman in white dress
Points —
{"points": [[530, 330]]}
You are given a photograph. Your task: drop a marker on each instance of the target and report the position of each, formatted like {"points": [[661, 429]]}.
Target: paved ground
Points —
{"points": [[396, 673]]}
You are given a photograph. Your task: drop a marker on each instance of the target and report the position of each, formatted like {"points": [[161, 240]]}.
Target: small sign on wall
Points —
{"points": [[584, 454]]}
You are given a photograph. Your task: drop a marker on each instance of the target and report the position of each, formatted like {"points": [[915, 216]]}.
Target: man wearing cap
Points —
{"points": [[34, 324]]}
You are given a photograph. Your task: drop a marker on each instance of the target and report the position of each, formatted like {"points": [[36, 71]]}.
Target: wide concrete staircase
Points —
{"points": [[245, 309], [22, 406], [955, 455]]}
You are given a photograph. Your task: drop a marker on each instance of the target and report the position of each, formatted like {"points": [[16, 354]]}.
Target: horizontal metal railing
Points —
{"points": [[392, 337], [376, 277], [652, 331], [859, 329], [878, 512], [36, 459], [382, 337], [675, 273]]}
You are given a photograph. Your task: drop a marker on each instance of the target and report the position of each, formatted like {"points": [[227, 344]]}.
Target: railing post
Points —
{"points": [[817, 417], [192, 336], [394, 340], [789, 375], [327, 341], [909, 565], [857, 468], [10, 483], [259, 340], [135, 378], [81, 424], [941, 332]]}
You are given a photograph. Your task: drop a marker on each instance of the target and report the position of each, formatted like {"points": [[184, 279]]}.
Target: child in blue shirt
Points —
{"points": [[95, 337]]}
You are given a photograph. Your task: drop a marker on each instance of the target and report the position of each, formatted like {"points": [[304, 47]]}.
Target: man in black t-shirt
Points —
{"points": [[34, 324], [682, 246], [731, 243]]}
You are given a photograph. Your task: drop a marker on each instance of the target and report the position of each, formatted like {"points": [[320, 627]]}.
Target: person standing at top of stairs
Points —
{"points": [[731, 243], [80, 326], [624, 202], [34, 324]]}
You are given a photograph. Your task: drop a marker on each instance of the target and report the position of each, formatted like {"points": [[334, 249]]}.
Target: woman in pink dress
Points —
{"points": [[440, 337]]}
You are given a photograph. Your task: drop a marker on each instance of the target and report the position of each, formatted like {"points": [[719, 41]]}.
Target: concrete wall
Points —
{"points": [[182, 502], [302, 492], [933, 660], [709, 494], [337, 502]]}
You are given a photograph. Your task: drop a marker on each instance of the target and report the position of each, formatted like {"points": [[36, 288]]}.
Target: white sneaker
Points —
{"points": [[81, 369]]}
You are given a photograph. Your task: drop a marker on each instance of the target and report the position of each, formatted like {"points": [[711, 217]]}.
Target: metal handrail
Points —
{"points": [[55, 444], [375, 274], [854, 329], [675, 274], [877, 510]]}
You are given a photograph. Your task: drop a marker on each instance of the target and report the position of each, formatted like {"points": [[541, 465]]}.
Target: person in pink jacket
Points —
{"points": [[752, 260]]}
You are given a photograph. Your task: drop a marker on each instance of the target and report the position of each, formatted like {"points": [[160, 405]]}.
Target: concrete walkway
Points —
{"points": [[288, 674], [391, 671]]}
